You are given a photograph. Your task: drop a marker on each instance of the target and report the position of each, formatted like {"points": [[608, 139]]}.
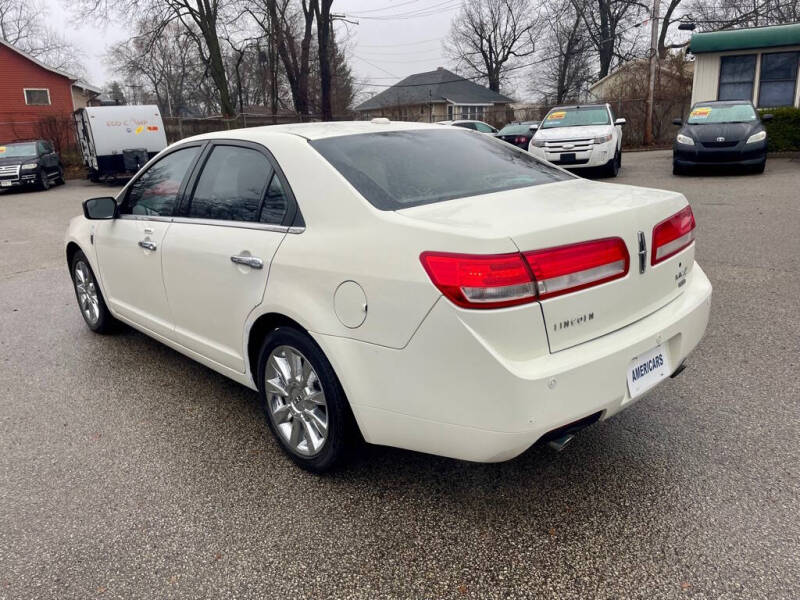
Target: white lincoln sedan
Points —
{"points": [[425, 287]]}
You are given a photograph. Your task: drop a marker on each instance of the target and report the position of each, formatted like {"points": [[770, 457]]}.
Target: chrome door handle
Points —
{"points": [[148, 245], [251, 261]]}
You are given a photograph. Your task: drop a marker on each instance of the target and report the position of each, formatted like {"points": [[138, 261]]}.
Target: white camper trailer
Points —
{"points": [[118, 140]]}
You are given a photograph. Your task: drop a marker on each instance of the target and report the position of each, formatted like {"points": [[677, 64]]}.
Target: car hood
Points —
{"points": [[572, 133], [732, 132]]}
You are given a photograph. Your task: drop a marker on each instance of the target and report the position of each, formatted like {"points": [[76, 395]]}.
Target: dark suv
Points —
{"points": [[33, 162]]}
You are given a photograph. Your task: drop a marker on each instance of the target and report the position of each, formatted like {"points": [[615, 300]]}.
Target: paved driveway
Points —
{"points": [[129, 471]]}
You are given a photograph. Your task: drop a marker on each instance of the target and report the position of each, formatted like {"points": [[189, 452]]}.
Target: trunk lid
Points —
{"points": [[569, 212]]}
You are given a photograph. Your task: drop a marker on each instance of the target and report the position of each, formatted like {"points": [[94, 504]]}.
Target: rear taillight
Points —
{"points": [[672, 235], [480, 281], [495, 281], [521, 139], [571, 268]]}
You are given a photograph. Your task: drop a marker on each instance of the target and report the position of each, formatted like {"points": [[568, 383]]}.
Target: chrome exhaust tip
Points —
{"points": [[559, 444]]}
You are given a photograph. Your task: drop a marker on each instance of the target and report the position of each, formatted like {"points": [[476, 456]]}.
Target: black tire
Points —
{"points": [[44, 181], [105, 322], [611, 168], [341, 428], [678, 170], [60, 179], [759, 168]]}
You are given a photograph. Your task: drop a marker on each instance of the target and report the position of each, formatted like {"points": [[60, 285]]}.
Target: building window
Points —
{"points": [[778, 79], [736, 74], [449, 112], [473, 113], [37, 97]]}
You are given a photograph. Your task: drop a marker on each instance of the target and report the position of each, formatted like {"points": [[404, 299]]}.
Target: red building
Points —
{"points": [[37, 101]]}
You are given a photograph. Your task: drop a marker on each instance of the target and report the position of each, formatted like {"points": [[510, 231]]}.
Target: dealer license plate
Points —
{"points": [[5, 184], [568, 157], [648, 369]]}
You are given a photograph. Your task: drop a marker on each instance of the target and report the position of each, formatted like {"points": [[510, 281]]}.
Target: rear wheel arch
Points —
{"points": [[259, 330]]}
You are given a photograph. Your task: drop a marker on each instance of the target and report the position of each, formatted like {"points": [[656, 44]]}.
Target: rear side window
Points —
{"points": [[484, 128], [465, 125], [155, 192], [275, 204], [399, 169], [231, 185]]}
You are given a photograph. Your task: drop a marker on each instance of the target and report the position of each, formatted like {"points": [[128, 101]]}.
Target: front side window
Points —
{"points": [[155, 192], [400, 169], [232, 185], [467, 125], [578, 116], [778, 79], [736, 75], [484, 128], [37, 97]]}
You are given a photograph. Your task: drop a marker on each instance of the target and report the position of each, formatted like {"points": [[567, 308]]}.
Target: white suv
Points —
{"points": [[580, 137]]}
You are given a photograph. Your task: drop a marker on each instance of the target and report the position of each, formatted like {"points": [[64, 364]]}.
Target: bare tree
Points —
{"points": [[22, 26], [606, 21], [725, 14], [565, 75], [322, 10], [291, 32], [487, 36], [166, 67], [200, 19]]}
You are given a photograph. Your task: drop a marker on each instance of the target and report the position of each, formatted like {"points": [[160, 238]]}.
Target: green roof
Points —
{"points": [[746, 39]]}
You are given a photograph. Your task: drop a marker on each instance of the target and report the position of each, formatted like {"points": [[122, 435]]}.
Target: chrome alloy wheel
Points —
{"points": [[296, 401], [87, 293]]}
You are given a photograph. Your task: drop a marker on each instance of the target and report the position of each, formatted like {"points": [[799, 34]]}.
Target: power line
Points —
{"points": [[388, 6], [399, 45], [434, 9]]}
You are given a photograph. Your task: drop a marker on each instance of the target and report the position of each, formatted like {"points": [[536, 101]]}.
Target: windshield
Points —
{"points": [[516, 129], [15, 150], [725, 113], [399, 169], [576, 117]]}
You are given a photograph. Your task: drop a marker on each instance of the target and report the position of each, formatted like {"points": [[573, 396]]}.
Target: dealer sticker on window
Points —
{"points": [[556, 116], [646, 370], [701, 112]]}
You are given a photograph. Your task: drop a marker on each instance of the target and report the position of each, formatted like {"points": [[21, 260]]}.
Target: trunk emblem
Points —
{"points": [[720, 139], [642, 252]]}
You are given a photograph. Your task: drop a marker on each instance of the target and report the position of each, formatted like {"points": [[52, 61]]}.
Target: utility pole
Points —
{"points": [[651, 77]]}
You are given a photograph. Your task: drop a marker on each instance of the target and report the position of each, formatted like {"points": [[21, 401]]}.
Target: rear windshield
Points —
{"points": [[725, 113], [516, 129], [14, 150], [576, 117], [400, 169]]}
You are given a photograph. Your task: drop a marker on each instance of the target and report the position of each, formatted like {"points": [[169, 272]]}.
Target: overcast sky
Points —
{"points": [[393, 38]]}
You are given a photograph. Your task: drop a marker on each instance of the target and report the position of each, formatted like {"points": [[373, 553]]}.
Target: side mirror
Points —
{"points": [[767, 117], [620, 121], [102, 208], [677, 122], [534, 127]]}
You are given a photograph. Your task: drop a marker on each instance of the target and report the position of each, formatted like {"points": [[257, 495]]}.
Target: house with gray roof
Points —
{"points": [[436, 96]]}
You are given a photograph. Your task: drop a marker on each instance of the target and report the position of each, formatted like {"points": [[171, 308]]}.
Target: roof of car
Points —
{"points": [[315, 131]]}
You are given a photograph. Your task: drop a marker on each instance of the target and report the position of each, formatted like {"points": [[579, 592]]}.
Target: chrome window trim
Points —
{"points": [[217, 223]]}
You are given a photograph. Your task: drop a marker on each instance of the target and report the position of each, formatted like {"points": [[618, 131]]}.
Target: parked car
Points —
{"points": [[118, 140], [29, 163], [721, 133], [580, 137], [429, 288], [474, 125], [518, 133]]}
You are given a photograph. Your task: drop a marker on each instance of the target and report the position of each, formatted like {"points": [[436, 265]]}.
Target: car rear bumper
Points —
{"points": [[461, 389]]}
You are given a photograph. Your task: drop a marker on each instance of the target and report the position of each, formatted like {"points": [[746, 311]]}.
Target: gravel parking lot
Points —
{"points": [[129, 471]]}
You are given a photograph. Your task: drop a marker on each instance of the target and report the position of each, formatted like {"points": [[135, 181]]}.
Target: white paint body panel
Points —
{"points": [[597, 155], [419, 372]]}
